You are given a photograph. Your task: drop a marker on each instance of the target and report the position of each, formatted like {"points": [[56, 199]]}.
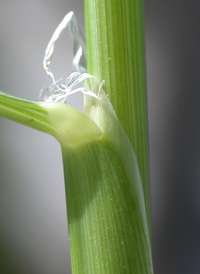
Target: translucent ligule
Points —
{"points": [[79, 61], [59, 90]]}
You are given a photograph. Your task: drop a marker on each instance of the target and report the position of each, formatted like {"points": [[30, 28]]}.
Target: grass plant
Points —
{"points": [[105, 149]]}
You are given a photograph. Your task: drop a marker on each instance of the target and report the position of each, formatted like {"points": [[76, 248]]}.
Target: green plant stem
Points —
{"points": [[106, 216], [116, 54], [105, 201]]}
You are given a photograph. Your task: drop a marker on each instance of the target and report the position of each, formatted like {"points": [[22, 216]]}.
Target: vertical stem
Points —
{"points": [[116, 54]]}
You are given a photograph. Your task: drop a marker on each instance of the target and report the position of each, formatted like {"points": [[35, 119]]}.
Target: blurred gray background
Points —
{"points": [[33, 223]]}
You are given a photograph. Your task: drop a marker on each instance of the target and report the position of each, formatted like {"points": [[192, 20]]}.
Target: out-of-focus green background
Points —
{"points": [[33, 223]]}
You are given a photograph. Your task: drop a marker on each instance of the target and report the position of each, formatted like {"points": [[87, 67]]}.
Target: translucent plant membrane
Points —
{"points": [[79, 61], [60, 89]]}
